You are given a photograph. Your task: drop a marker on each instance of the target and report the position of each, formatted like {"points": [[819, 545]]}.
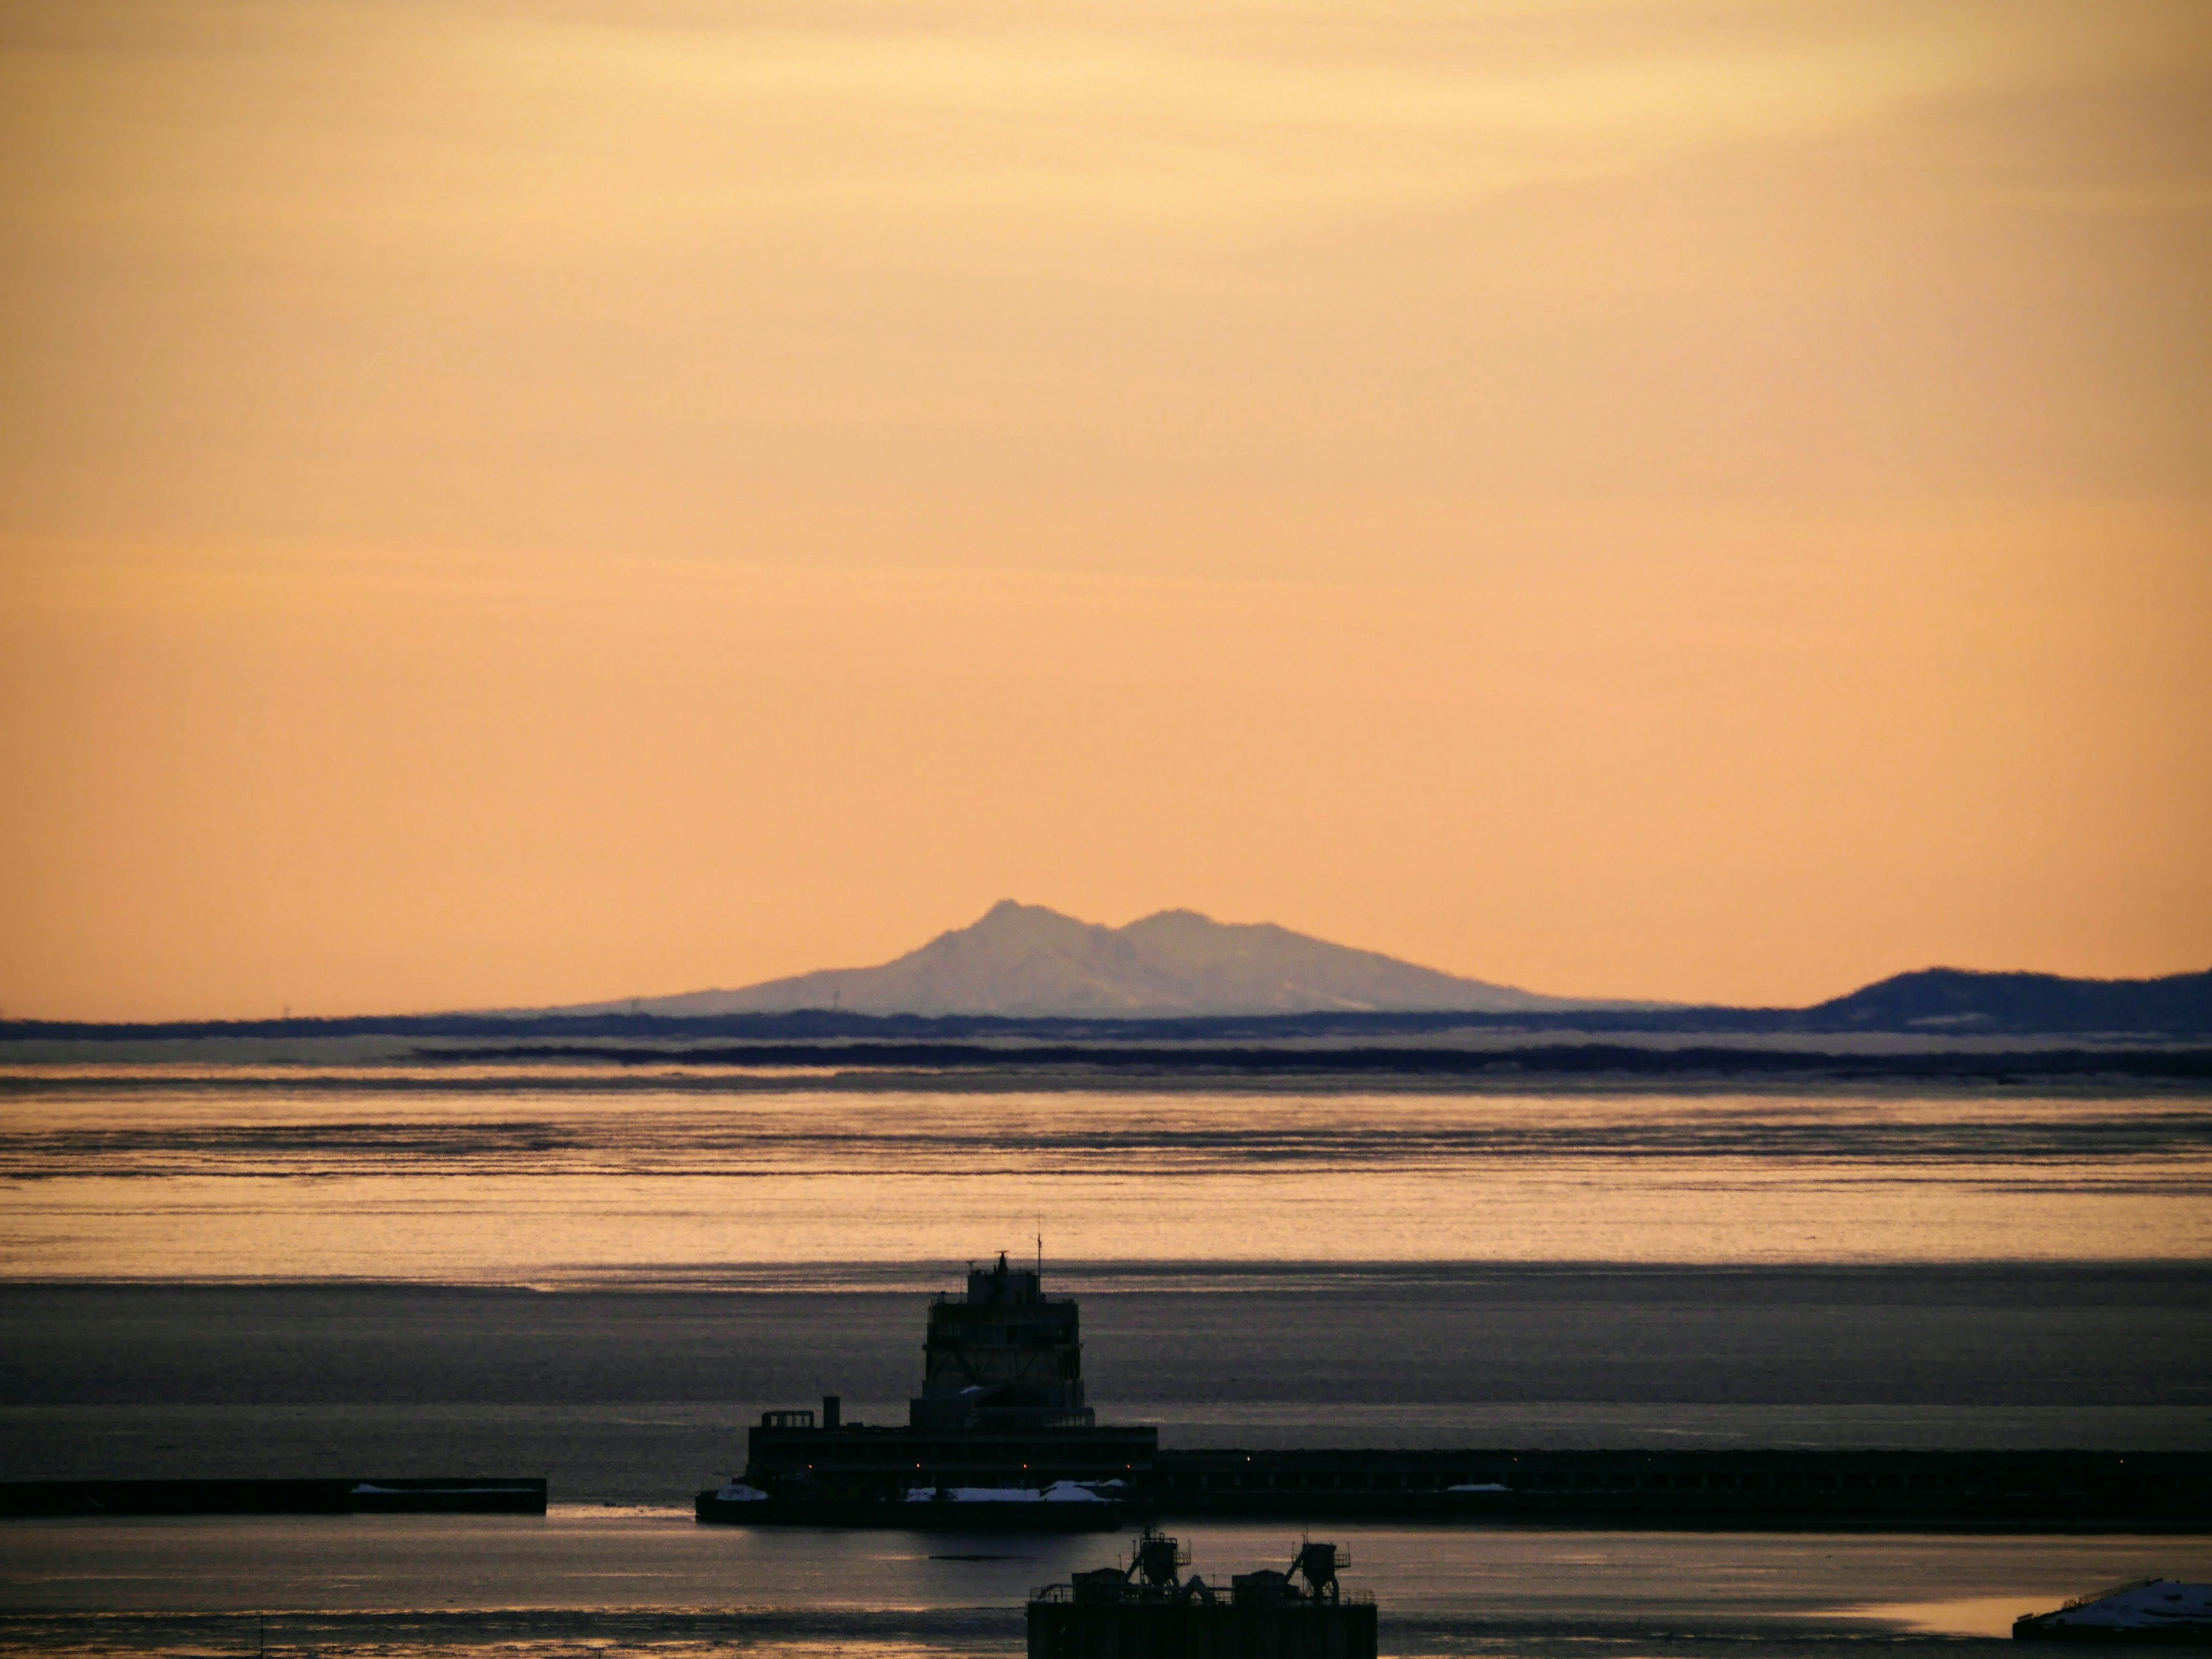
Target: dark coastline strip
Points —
{"points": [[1938, 1001], [2181, 1064]]}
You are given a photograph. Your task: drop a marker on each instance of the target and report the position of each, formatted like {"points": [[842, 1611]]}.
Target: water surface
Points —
{"points": [[654, 1580], [603, 1279], [520, 1178]]}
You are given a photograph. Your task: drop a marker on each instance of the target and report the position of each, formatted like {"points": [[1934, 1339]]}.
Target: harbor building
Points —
{"points": [[1001, 1409]]}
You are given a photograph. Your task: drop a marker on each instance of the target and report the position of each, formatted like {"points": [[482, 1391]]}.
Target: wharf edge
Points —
{"points": [[1003, 1416]]}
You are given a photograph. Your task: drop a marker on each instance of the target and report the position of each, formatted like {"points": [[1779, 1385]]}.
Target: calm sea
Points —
{"points": [[560, 1178], [601, 1278]]}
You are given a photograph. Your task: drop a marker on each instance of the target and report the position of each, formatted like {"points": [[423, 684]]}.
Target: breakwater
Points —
{"points": [[2053, 1491], [339, 1495], [1740, 1488]]}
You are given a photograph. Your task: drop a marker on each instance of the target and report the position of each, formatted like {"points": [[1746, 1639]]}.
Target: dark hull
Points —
{"points": [[2044, 1629], [911, 1517]]}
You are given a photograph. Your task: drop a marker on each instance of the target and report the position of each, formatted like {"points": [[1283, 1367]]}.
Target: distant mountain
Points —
{"points": [[1024, 960], [1023, 970], [1954, 1000]]}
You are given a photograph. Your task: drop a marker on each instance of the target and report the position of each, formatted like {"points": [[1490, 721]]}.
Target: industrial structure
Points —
{"points": [[1148, 1610]]}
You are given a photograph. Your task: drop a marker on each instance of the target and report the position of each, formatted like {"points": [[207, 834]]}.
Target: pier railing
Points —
{"points": [[2109, 1591]]}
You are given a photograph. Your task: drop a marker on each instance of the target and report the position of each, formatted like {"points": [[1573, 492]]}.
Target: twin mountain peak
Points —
{"points": [[1024, 960]]}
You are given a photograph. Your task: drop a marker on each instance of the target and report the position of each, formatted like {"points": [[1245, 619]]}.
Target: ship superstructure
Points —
{"points": [[1006, 1356], [1000, 1428]]}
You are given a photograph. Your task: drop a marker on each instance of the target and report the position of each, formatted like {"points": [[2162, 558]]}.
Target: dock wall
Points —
{"points": [[468, 1495], [1978, 1491]]}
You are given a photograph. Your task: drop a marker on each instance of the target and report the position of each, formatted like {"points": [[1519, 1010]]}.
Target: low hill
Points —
{"points": [[1955, 999]]}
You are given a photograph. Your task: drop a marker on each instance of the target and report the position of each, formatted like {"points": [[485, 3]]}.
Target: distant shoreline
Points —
{"points": [[173, 1064]]}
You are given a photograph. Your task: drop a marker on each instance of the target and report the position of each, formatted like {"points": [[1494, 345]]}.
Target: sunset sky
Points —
{"points": [[508, 502]]}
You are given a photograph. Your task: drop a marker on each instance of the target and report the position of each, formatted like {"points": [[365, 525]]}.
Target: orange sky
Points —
{"points": [[511, 502]]}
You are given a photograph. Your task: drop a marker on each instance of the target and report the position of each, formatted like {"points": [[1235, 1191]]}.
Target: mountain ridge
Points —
{"points": [[1027, 960]]}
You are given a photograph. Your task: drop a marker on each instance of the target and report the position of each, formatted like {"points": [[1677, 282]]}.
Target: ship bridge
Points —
{"points": [[1001, 1407], [1006, 1356]]}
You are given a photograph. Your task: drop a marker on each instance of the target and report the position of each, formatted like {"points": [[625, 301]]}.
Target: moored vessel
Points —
{"points": [[2157, 1611], [1000, 1438]]}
